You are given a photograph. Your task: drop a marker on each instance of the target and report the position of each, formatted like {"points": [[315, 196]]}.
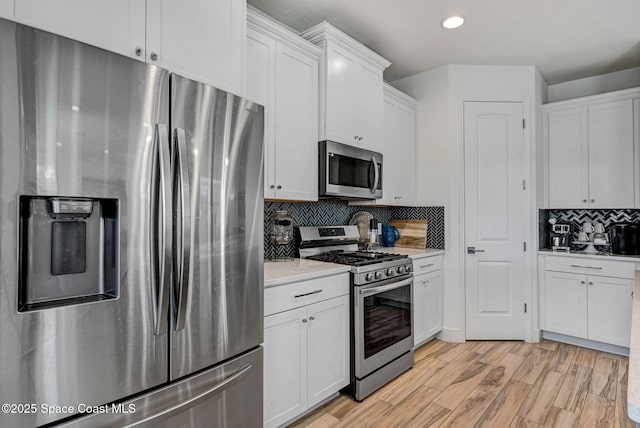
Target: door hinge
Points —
{"points": [[524, 246], [523, 124], [524, 184], [525, 308]]}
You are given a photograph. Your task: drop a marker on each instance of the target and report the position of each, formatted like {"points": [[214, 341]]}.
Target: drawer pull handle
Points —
{"points": [[308, 294], [426, 266], [586, 267]]}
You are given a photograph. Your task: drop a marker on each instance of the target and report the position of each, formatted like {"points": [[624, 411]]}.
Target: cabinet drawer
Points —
{"points": [[297, 294], [427, 264], [610, 268]]}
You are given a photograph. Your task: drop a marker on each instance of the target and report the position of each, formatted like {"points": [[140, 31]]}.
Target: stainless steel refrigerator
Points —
{"points": [[131, 236]]}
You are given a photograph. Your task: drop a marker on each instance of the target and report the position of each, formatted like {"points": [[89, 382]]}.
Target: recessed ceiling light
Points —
{"points": [[453, 22]]}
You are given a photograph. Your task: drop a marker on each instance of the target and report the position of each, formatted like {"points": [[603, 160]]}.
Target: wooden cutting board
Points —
{"points": [[413, 233]]}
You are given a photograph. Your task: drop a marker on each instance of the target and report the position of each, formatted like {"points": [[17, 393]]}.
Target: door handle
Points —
{"points": [[182, 255], [472, 250]]}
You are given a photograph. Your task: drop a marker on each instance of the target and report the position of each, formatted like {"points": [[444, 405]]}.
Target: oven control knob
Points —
{"points": [[378, 275], [368, 277], [400, 269], [408, 269], [389, 272]]}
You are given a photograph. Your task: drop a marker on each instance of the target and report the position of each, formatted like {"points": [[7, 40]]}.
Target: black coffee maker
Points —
{"points": [[625, 239], [559, 237]]}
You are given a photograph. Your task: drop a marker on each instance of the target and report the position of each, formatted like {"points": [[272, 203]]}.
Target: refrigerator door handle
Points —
{"points": [[161, 237], [192, 402], [183, 194]]}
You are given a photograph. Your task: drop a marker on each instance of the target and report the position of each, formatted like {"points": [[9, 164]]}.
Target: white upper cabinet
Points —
{"points": [[350, 88], [591, 152], [282, 74], [200, 39], [117, 26]]}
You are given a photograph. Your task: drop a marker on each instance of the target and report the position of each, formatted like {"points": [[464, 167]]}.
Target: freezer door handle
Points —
{"points": [[182, 193], [192, 402], [161, 236]]}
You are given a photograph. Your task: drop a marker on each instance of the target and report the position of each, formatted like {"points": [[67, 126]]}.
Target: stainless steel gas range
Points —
{"points": [[381, 305]]}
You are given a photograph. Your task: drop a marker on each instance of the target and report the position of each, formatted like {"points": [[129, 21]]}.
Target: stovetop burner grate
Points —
{"points": [[356, 258]]}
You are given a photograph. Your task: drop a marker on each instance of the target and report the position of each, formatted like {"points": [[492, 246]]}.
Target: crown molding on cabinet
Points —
{"points": [[325, 31], [258, 21], [607, 96], [399, 95]]}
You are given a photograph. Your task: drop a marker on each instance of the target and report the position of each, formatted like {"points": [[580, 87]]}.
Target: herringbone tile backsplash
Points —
{"points": [[328, 212], [576, 217]]}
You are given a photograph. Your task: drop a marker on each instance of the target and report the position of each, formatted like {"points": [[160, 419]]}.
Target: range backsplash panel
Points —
{"points": [[336, 212], [576, 217]]}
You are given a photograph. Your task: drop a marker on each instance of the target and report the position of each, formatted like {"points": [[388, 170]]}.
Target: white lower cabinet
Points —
{"points": [[306, 352], [427, 300], [588, 306]]}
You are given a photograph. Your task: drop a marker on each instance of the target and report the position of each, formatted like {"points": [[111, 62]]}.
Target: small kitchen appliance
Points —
{"points": [[381, 305], [559, 236], [625, 238]]}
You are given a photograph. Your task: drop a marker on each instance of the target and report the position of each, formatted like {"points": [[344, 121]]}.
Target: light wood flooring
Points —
{"points": [[493, 384]]}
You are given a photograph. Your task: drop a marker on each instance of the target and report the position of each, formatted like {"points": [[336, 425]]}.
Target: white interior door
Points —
{"points": [[494, 220]]}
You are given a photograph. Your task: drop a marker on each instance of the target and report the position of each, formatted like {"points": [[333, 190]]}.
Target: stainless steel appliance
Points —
{"points": [[349, 172], [559, 237], [130, 242], [381, 305], [625, 238]]}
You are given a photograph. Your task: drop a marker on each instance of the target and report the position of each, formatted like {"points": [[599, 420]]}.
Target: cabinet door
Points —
{"points": [[568, 158], [433, 303], [328, 348], [419, 308], [259, 86], [565, 303], [7, 9], [611, 160], [117, 26], [340, 99], [200, 39], [369, 107], [406, 122], [296, 125], [285, 366], [390, 151], [610, 303]]}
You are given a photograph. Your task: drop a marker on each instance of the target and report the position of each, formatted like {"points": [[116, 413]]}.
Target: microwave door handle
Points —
{"points": [[183, 202], [376, 174]]}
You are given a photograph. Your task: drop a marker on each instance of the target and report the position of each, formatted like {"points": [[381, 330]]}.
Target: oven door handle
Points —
{"points": [[382, 288]]}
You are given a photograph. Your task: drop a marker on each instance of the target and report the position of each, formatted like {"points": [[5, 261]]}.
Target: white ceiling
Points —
{"points": [[565, 39]]}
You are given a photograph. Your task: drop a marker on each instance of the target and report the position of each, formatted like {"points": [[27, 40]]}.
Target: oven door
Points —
{"points": [[349, 172], [382, 324]]}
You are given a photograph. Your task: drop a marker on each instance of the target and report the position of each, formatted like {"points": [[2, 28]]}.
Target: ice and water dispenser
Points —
{"points": [[68, 251]]}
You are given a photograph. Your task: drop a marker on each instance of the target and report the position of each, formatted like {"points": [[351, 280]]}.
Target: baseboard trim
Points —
{"points": [[454, 335], [585, 343]]}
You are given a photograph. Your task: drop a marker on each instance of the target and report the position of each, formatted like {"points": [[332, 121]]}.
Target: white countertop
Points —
{"points": [[633, 384], [286, 272], [590, 256], [414, 253]]}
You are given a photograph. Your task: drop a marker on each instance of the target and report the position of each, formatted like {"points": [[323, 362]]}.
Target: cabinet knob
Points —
{"points": [[304, 320], [584, 201], [153, 56], [360, 138], [355, 137], [582, 282], [272, 187], [593, 200], [278, 187], [138, 51], [311, 318], [590, 283]]}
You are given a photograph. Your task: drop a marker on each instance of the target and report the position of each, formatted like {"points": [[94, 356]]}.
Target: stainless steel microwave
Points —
{"points": [[349, 172]]}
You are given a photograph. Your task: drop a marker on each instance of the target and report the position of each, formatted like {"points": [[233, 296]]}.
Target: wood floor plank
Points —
{"points": [[561, 418], [496, 353], [443, 377], [540, 400], [469, 411], [534, 364], [505, 406], [585, 357], [623, 369], [428, 349], [501, 374], [522, 348], [431, 416], [461, 387], [574, 389], [520, 422], [562, 358], [451, 353], [403, 414], [340, 407], [598, 412], [548, 344], [621, 418], [368, 413], [605, 376], [321, 420], [400, 388]]}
